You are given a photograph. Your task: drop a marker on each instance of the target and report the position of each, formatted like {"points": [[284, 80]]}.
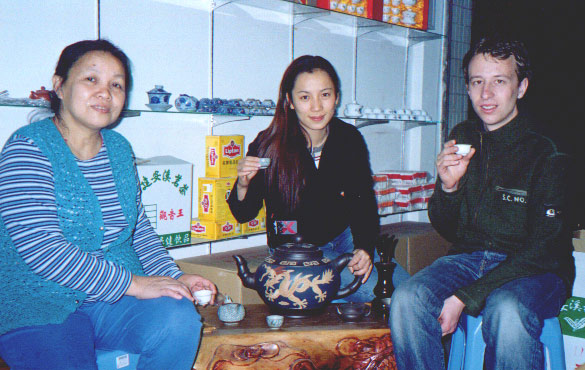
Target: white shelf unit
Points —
{"points": [[236, 49]]}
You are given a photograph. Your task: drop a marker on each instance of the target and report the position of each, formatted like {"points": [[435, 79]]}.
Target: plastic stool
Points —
{"points": [[467, 346], [114, 360]]}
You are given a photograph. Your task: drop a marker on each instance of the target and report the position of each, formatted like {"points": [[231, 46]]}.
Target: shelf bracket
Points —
{"points": [[218, 120]]}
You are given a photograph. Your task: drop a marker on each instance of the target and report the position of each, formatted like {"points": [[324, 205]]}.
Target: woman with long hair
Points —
{"points": [[319, 182]]}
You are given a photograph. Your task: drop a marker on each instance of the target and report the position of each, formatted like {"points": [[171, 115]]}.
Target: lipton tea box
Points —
{"points": [[166, 184], [256, 225], [223, 154], [214, 230], [213, 195]]}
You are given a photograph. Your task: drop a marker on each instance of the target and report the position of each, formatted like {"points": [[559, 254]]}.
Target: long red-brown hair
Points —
{"points": [[284, 140]]}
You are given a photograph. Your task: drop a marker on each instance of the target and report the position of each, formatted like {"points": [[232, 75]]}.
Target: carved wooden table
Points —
{"points": [[323, 342]]}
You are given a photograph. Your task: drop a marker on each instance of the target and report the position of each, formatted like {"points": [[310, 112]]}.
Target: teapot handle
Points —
{"points": [[340, 263]]}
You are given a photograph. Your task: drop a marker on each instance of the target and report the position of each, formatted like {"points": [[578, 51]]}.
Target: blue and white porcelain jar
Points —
{"points": [[158, 95]]}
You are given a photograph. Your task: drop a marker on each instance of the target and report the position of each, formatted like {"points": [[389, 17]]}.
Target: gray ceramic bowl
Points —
{"points": [[231, 312]]}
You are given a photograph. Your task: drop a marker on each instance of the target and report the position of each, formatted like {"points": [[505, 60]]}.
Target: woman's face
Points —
{"points": [[93, 95], [314, 100]]}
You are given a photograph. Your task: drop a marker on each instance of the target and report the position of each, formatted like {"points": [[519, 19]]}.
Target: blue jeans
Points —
{"points": [[512, 317], [164, 331], [343, 243]]}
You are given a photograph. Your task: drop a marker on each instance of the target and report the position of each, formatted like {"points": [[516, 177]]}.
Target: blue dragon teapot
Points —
{"points": [[295, 280]]}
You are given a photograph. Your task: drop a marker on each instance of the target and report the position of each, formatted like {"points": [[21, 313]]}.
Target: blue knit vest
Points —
{"points": [[27, 299]]}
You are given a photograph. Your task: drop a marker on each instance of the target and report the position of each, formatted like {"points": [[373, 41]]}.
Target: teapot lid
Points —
{"points": [[298, 251]]}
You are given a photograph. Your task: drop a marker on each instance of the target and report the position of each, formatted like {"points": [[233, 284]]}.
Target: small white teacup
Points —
{"points": [[264, 163], [203, 296], [274, 321], [463, 149]]}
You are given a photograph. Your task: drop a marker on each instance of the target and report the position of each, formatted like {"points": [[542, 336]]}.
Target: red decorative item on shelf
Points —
{"points": [[40, 94]]}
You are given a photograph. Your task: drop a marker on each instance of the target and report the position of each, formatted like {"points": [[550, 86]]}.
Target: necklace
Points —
{"points": [[84, 148]]}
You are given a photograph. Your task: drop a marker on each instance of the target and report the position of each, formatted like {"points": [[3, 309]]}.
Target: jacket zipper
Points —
{"points": [[485, 177]]}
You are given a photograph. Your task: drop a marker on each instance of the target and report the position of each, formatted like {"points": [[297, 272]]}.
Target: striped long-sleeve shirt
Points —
{"points": [[28, 209]]}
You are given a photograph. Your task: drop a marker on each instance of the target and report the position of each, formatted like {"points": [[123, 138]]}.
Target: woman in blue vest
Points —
{"points": [[81, 267]]}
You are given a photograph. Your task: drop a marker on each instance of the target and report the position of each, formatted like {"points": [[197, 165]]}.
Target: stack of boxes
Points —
{"points": [[215, 218], [401, 191]]}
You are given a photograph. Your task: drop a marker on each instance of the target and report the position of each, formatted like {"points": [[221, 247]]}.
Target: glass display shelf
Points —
{"points": [[402, 212], [219, 119], [303, 12], [199, 241]]}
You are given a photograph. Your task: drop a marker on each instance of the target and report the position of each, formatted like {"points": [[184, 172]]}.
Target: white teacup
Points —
{"points": [[395, 2], [264, 162], [385, 17], [351, 8], [367, 110], [463, 149], [342, 7], [203, 296], [333, 5], [395, 19], [396, 11], [360, 10], [386, 9], [388, 111], [409, 2], [376, 110], [353, 110]]}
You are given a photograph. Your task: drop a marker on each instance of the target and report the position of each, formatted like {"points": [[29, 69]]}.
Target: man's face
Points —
{"points": [[494, 89]]}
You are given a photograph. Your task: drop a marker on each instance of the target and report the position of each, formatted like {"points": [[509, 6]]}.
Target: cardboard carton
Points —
{"points": [[213, 195], [256, 225], [572, 319], [223, 154], [418, 246], [215, 230], [222, 270], [166, 183]]}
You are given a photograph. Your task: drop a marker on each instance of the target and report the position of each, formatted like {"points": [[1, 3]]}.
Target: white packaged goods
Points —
{"points": [[386, 195], [400, 177], [405, 193], [166, 184], [428, 189], [386, 208], [402, 191]]}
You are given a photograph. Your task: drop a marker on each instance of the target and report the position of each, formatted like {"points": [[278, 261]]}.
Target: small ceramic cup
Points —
{"points": [[463, 149], [203, 296], [264, 163], [274, 321]]}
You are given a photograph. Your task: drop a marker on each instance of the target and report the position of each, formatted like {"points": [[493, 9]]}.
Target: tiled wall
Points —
{"points": [[459, 39]]}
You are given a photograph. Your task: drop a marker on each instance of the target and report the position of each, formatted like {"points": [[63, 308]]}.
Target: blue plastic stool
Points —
{"points": [[114, 360], [467, 346]]}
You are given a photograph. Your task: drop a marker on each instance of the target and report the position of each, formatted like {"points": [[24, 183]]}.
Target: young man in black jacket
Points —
{"points": [[502, 205]]}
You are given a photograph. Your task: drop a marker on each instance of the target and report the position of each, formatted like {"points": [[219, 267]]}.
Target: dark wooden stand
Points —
{"points": [[323, 342]]}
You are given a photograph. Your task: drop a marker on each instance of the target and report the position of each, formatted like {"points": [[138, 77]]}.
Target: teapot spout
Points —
{"points": [[244, 273]]}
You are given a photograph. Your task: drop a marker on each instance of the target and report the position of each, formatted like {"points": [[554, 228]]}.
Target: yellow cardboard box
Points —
{"points": [[214, 230], [223, 154], [213, 195], [257, 225]]}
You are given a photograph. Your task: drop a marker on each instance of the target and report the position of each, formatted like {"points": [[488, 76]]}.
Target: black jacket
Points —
{"points": [[338, 194], [513, 199]]}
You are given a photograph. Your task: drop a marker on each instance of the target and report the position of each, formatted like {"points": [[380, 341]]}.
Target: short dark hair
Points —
{"points": [[72, 53], [500, 48]]}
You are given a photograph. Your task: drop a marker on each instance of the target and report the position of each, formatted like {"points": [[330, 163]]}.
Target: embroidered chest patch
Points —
{"points": [[517, 196]]}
